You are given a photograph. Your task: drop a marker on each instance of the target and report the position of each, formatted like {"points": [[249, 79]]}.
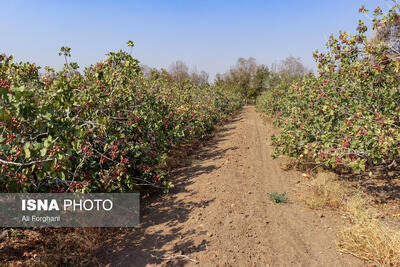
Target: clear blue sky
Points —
{"points": [[210, 35]]}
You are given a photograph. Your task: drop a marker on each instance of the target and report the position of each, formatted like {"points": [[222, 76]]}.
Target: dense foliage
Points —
{"points": [[348, 114], [247, 78], [108, 129]]}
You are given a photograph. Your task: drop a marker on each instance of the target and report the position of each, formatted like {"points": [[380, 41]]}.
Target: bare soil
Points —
{"points": [[219, 213]]}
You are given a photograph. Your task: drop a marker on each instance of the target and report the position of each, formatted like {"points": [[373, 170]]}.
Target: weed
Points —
{"points": [[277, 198]]}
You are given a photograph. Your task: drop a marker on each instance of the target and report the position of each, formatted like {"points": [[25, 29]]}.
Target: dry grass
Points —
{"points": [[369, 235], [326, 191]]}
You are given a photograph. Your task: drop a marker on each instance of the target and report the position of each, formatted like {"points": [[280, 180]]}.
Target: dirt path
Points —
{"points": [[219, 212]]}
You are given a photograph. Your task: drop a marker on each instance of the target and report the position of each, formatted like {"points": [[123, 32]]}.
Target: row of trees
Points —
{"points": [[106, 129], [247, 77], [180, 73], [251, 79], [347, 116]]}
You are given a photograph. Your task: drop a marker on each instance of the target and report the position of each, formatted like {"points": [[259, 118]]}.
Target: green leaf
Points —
{"points": [[27, 150], [362, 167], [43, 151], [46, 143], [27, 153]]}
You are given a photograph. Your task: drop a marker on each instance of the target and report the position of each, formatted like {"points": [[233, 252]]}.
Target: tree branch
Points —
{"points": [[23, 164]]}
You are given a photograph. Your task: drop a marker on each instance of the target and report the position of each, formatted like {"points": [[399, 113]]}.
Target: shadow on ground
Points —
{"points": [[383, 186], [138, 247]]}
